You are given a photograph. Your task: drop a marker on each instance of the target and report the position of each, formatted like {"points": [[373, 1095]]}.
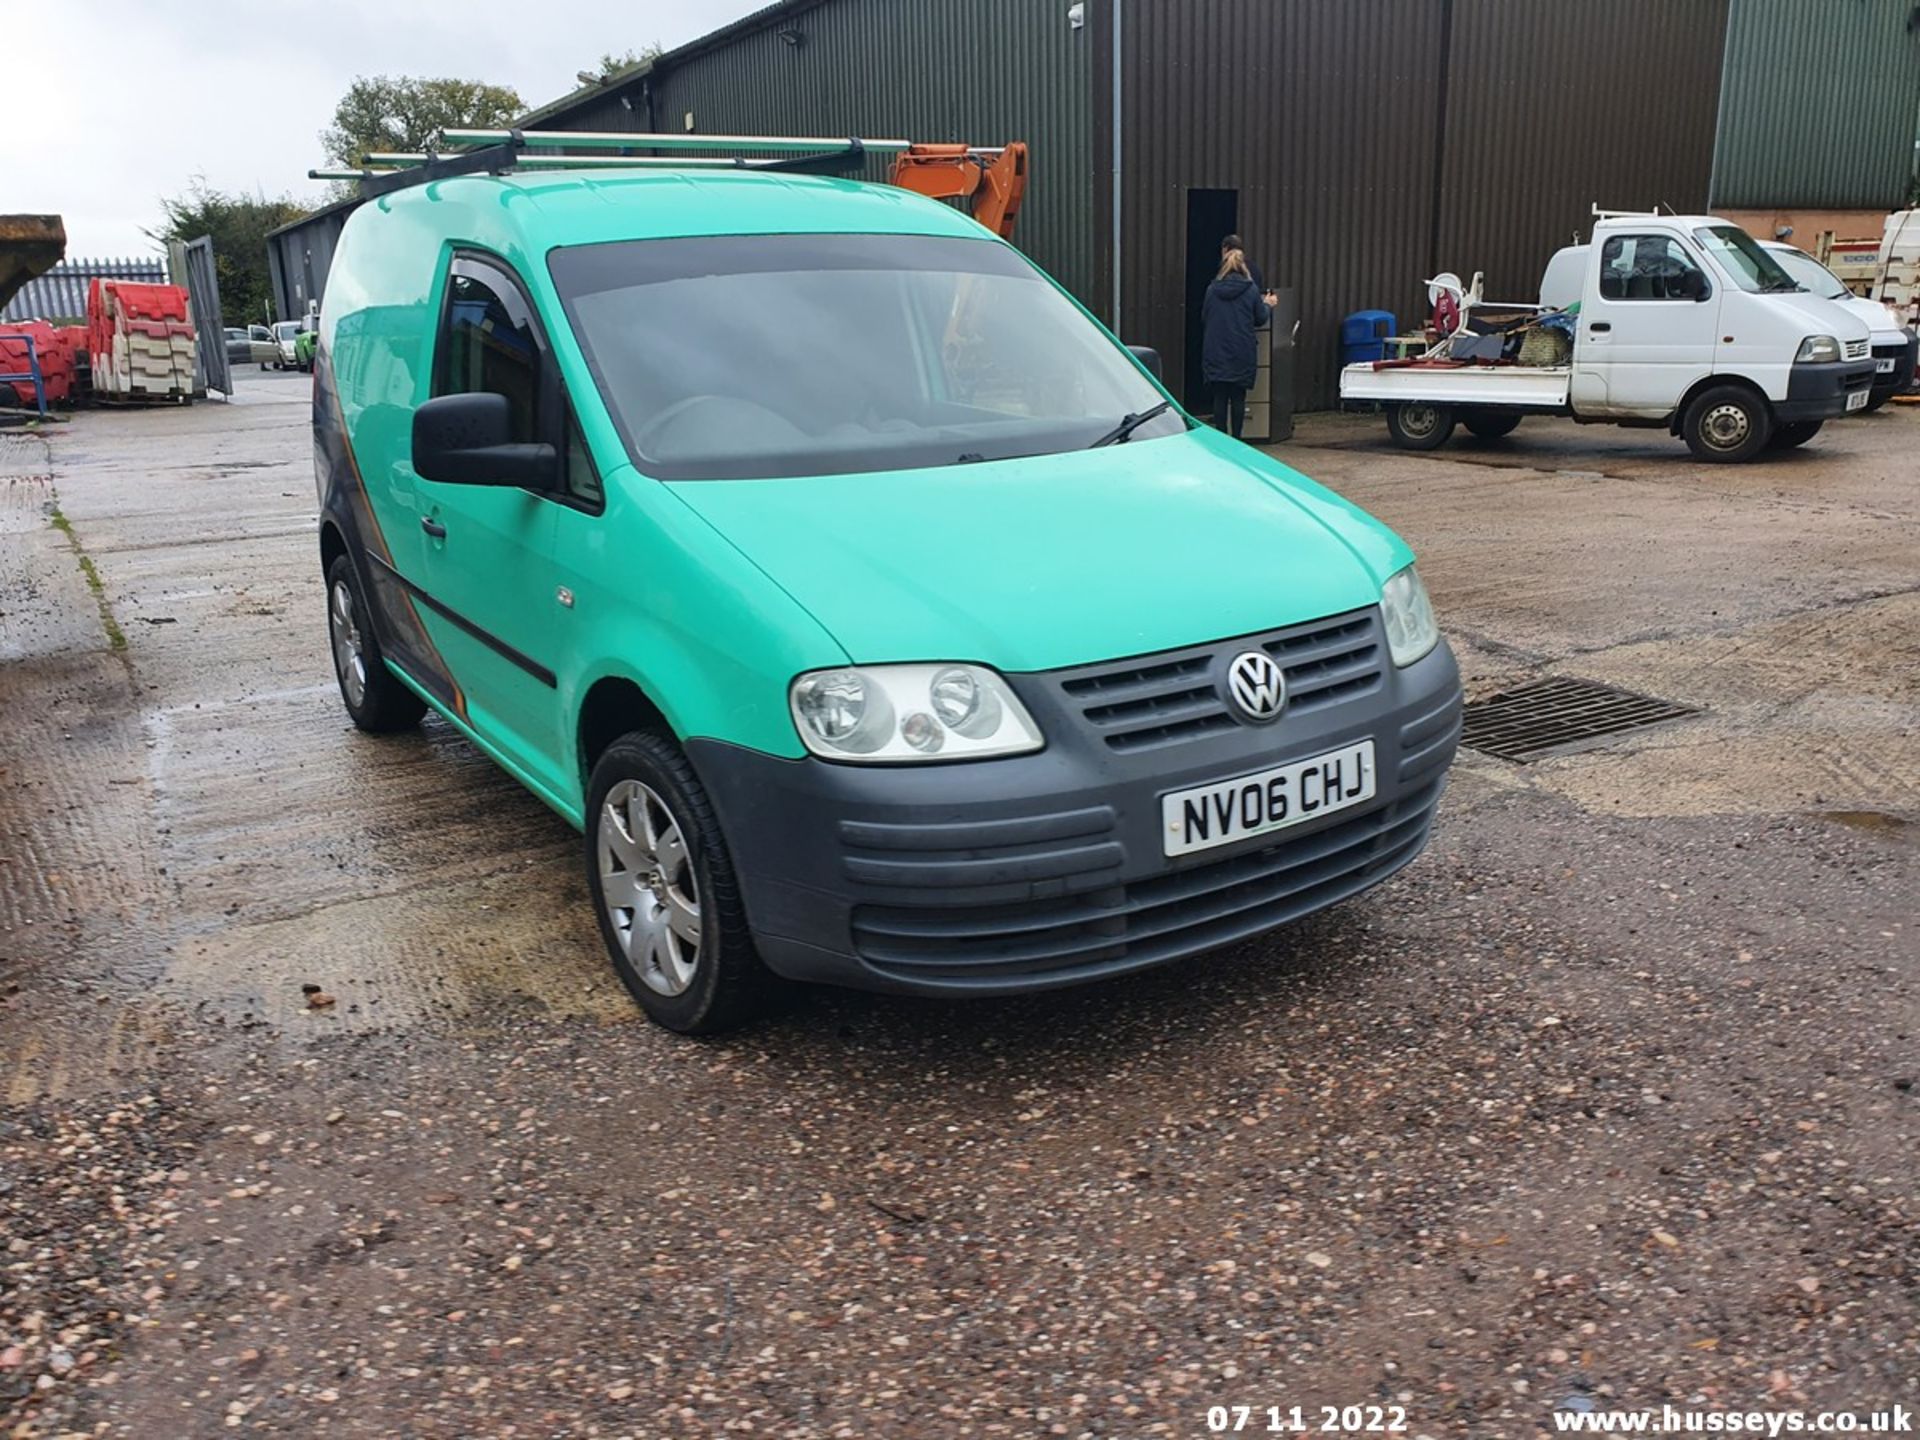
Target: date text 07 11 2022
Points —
{"points": [[1308, 1420]]}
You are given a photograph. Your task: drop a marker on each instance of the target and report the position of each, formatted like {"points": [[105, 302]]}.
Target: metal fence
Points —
{"points": [[61, 293]]}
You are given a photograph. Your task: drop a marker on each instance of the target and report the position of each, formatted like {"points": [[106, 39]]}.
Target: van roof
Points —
{"points": [[551, 208]]}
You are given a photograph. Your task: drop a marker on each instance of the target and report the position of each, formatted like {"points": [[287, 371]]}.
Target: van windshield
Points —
{"points": [[1810, 274], [754, 356], [1740, 255]]}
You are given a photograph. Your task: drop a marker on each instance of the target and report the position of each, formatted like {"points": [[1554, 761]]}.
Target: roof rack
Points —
{"points": [[471, 152]]}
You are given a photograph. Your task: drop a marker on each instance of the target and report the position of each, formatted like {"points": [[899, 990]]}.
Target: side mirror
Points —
{"points": [[466, 440], [1693, 285], [1149, 357]]}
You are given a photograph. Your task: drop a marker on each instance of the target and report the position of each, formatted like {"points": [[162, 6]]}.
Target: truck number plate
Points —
{"points": [[1857, 400], [1884, 367], [1229, 810]]}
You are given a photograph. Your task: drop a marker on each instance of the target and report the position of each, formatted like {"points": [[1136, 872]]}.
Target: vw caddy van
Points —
{"points": [[877, 616]]}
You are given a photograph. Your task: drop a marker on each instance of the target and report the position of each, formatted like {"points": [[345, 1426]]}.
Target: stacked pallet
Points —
{"points": [[141, 341], [53, 350]]}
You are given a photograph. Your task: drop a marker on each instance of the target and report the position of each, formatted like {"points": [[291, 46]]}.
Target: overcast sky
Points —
{"points": [[130, 99]]}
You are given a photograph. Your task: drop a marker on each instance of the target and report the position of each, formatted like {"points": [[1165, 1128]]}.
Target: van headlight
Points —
{"points": [[894, 714], [1817, 350], [1411, 629]]}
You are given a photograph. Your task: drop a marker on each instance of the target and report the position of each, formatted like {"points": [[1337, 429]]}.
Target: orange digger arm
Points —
{"points": [[948, 172]]}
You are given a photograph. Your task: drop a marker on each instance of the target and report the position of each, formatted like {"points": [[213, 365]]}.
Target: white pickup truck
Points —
{"points": [[1681, 322]]}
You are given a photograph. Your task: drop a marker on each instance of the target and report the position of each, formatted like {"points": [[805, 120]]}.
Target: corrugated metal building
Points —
{"points": [[981, 71], [1359, 145], [61, 293], [1819, 105], [299, 256]]}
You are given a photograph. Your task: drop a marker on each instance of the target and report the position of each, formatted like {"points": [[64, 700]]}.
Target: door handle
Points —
{"points": [[433, 528], [1599, 327]]}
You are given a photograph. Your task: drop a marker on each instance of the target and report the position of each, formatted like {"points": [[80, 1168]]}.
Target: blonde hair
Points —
{"points": [[1234, 262]]}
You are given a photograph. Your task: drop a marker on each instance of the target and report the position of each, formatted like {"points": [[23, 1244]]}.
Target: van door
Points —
{"points": [[486, 569], [1647, 327]]}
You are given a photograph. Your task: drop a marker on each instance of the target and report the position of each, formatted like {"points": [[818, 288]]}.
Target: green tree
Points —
{"points": [[403, 112], [239, 226]]}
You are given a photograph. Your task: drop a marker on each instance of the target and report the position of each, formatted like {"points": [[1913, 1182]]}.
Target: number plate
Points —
{"points": [[1857, 400], [1884, 367], [1268, 800]]}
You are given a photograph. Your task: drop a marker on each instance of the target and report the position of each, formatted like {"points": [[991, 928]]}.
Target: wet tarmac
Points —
{"points": [[1608, 1100]]}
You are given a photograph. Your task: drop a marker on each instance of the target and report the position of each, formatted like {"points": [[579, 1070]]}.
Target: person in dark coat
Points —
{"points": [[1230, 243], [1229, 354]]}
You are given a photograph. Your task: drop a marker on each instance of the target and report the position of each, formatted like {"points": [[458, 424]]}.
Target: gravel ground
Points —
{"points": [[1608, 1100]]}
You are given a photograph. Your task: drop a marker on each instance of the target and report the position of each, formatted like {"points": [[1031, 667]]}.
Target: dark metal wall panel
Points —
{"points": [[299, 256], [929, 70], [1320, 113], [1554, 108], [1820, 105]]}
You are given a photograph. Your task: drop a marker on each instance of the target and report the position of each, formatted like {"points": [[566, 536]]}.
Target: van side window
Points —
{"points": [[1648, 267], [583, 481], [487, 346]]}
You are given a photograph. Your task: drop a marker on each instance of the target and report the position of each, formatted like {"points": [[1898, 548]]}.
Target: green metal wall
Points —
{"points": [[1818, 105], [928, 70]]}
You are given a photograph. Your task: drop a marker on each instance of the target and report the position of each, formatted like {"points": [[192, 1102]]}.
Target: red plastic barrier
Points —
{"points": [[126, 308], [52, 352], [150, 302]]}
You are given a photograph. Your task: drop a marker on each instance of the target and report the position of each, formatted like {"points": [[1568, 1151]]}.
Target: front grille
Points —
{"points": [[1858, 349], [1174, 696], [1180, 912]]}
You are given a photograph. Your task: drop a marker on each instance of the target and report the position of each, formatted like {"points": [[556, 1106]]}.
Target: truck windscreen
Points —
{"points": [[1745, 263]]}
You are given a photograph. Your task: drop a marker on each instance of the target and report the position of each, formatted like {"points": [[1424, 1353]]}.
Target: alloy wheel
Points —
{"points": [[349, 654], [648, 887]]}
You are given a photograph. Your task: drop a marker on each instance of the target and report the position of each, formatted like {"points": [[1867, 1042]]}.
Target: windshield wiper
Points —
{"points": [[1124, 430]]}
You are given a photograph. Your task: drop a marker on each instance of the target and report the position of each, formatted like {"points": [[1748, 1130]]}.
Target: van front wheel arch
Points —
{"points": [[1727, 424], [665, 892]]}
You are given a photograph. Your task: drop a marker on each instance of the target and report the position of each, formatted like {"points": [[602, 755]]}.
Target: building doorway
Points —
{"points": [[1211, 216]]}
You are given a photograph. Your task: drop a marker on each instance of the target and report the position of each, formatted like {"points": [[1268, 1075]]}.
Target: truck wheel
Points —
{"points": [[1419, 426], [1726, 424], [1793, 434], [664, 889], [1876, 400], [373, 694], [1490, 424]]}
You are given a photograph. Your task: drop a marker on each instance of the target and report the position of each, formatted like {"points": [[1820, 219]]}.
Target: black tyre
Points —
{"points": [[1419, 426], [1876, 400], [373, 694], [1793, 434], [665, 892], [1490, 424], [1726, 425]]}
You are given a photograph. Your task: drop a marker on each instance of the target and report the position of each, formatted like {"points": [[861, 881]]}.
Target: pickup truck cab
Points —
{"points": [[1678, 321], [876, 616]]}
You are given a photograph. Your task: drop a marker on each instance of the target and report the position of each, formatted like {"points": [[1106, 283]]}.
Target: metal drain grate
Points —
{"points": [[1543, 715]]}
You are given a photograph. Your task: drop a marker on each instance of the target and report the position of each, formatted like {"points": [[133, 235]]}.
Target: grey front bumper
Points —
{"points": [[1035, 871]]}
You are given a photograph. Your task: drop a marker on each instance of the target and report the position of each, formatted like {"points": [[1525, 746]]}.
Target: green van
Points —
{"points": [[878, 618]]}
